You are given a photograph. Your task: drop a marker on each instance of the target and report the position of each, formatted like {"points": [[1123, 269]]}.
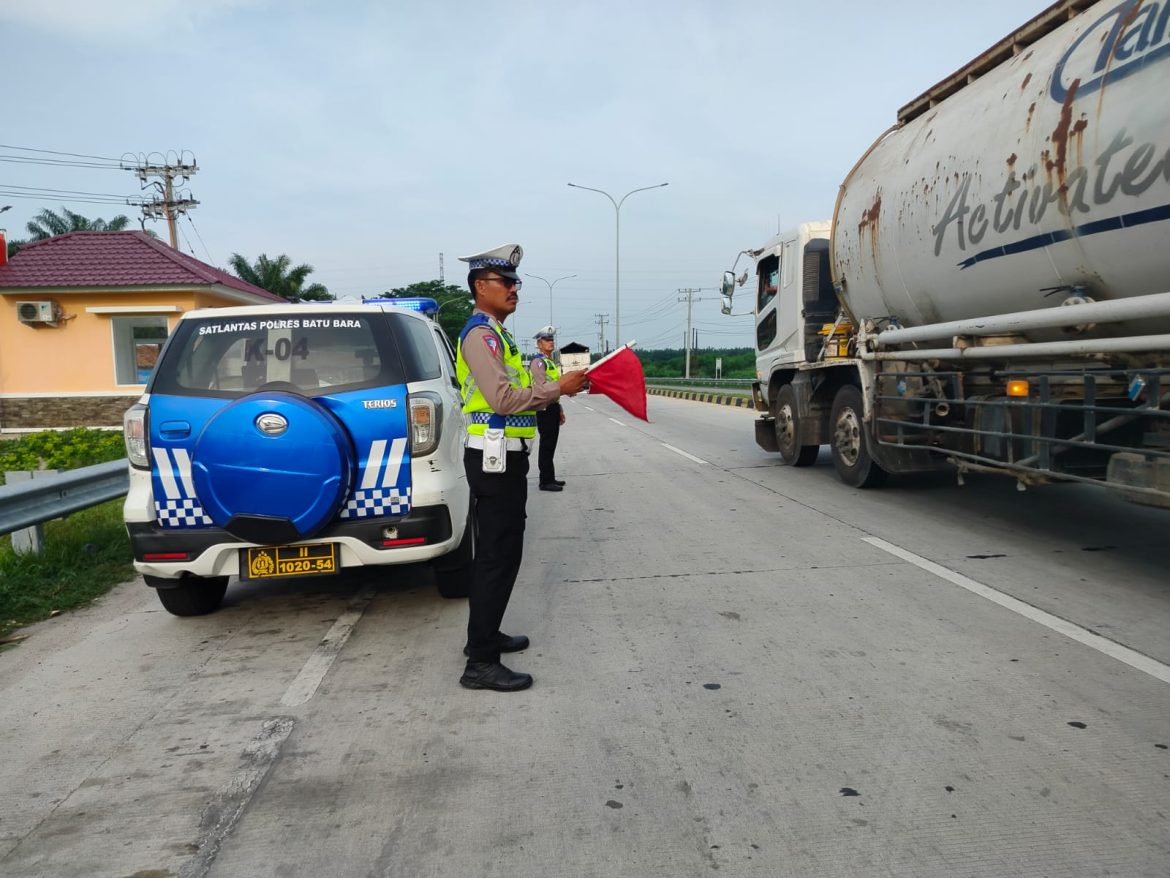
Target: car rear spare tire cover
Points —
{"points": [[276, 455]]}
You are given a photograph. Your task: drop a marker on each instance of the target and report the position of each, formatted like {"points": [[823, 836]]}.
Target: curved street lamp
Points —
{"points": [[617, 250], [551, 284]]}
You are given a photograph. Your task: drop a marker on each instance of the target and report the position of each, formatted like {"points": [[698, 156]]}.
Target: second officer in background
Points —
{"points": [[549, 419], [500, 404]]}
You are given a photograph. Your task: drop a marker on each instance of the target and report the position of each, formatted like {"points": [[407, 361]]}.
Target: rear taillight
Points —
{"points": [[426, 413], [135, 436]]}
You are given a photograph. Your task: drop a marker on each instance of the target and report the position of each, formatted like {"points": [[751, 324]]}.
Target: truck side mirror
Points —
{"points": [[727, 287], [725, 304]]}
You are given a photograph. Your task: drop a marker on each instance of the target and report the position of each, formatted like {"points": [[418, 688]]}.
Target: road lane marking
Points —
{"points": [[588, 408], [305, 685], [224, 810], [1103, 645], [616, 421], [684, 454]]}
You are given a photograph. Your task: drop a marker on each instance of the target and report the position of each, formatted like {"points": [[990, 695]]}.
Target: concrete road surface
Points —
{"points": [[741, 669]]}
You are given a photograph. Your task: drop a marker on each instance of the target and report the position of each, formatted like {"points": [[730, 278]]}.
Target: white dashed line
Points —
{"points": [[315, 669], [616, 421], [684, 454], [1103, 645]]}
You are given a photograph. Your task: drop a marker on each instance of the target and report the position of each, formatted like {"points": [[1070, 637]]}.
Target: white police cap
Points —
{"points": [[545, 332], [503, 259]]}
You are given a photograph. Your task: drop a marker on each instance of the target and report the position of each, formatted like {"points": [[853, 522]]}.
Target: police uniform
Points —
{"points": [[497, 395], [548, 419]]}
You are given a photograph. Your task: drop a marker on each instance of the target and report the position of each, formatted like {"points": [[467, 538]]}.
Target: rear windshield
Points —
{"points": [[313, 354]]}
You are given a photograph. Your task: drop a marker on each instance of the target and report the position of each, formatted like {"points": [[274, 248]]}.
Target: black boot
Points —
{"points": [[493, 675]]}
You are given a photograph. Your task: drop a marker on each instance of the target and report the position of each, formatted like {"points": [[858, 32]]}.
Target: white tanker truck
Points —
{"points": [[993, 291]]}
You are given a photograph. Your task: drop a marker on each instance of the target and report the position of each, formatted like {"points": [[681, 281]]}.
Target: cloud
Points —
{"points": [[103, 21]]}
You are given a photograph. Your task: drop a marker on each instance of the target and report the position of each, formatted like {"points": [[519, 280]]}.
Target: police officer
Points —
{"points": [[549, 419], [499, 403]]}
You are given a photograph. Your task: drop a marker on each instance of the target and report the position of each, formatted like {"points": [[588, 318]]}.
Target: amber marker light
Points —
{"points": [[1017, 387]]}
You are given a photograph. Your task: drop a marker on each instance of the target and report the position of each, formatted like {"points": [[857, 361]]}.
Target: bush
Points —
{"points": [[61, 450]]}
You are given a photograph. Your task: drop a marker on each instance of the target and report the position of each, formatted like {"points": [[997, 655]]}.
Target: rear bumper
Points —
{"points": [[212, 551]]}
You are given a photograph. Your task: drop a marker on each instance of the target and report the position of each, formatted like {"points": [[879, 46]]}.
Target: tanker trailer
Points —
{"points": [[993, 291]]}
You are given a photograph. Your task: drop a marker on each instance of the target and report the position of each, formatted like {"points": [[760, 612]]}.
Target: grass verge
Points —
{"points": [[85, 555]]}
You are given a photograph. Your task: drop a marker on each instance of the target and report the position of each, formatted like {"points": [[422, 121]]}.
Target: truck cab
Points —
{"points": [[800, 335]]}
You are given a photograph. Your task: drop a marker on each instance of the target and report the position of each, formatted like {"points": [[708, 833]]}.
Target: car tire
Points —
{"points": [[454, 570], [787, 425], [189, 595], [849, 443]]}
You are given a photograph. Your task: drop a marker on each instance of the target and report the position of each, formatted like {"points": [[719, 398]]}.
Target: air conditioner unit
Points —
{"points": [[36, 312]]}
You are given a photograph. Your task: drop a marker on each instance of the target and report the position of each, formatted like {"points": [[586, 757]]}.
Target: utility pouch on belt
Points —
{"points": [[495, 452]]}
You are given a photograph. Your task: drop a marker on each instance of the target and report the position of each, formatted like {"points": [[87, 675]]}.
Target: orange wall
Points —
{"points": [[77, 355]]}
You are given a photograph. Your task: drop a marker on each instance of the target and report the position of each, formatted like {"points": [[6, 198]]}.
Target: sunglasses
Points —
{"points": [[505, 281]]}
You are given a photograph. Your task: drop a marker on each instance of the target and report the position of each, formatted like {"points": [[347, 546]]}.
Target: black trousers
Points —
{"points": [[548, 423], [498, 501]]}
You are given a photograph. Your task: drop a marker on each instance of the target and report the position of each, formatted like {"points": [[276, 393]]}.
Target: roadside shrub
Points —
{"points": [[62, 450]]}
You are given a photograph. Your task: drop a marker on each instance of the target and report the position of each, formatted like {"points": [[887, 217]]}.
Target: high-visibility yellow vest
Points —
{"points": [[550, 368], [475, 405]]}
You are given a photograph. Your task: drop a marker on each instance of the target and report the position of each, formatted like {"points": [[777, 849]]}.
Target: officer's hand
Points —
{"points": [[572, 383]]}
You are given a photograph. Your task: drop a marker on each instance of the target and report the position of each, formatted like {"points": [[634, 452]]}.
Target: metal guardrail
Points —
{"points": [[702, 382], [26, 504]]}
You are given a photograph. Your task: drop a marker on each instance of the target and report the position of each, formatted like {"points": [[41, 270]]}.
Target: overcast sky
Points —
{"points": [[367, 138]]}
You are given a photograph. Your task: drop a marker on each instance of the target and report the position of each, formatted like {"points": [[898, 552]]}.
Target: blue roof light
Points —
{"points": [[427, 306]]}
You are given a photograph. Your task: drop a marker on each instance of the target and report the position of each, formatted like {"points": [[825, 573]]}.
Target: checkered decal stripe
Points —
{"points": [[509, 420], [171, 481], [376, 502], [180, 513]]}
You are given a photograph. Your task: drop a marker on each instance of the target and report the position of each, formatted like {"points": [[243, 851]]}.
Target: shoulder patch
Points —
{"points": [[492, 342]]}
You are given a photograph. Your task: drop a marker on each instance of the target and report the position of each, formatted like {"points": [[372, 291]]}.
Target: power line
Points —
{"points": [[55, 163], [210, 261], [54, 152]]}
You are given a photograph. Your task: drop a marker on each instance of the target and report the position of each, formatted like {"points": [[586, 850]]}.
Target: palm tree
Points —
{"points": [[277, 277], [46, 224]]}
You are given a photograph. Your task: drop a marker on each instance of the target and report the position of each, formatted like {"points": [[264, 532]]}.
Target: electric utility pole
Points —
{"points": [[690, 299], [166, 168], [602, 344]]}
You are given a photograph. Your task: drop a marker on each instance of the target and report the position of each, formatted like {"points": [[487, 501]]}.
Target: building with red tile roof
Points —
{"points": [[82, 317]]}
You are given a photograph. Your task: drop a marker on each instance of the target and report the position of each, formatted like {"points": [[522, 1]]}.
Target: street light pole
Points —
{"points": [[550, 289], [617, 252]]}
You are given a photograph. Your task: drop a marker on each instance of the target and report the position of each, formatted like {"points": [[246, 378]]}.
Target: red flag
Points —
{"points": [[619, 376]]}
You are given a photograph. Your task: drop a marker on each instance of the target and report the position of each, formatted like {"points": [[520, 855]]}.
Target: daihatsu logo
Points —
{"points": [[271, 424]]}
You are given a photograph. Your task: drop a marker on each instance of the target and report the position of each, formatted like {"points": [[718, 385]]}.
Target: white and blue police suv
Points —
{"points": [[286, 441]]}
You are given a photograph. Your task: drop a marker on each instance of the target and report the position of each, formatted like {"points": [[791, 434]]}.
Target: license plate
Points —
{"points": [[279, 562]]}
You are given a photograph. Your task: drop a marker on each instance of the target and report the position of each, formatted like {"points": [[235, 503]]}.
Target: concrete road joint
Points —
{"points": [[1104, 645], [224, 811], [305, 685]]}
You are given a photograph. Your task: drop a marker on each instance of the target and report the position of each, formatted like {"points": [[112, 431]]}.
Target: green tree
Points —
{"points": [[454, 303], [279, 276], [47, 224]]}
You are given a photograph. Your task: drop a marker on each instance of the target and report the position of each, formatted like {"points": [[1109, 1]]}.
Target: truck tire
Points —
{"points": [[453, 570], [787, 424], [189, 595], [850, 445]]}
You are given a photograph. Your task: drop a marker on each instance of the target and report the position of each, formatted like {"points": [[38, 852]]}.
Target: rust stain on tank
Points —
{"points": [[1024, 84], [869, 220], [1031, 113], [1011, 160], [1061, 134]]}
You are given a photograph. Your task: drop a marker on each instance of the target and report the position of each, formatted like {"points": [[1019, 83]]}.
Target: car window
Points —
{"points": [[417, 347], [313, 353]]}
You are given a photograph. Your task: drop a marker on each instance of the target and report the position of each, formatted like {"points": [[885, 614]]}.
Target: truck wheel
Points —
{"points": [[453, 570], [787, 422], [189, 595], [849, 444]]}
